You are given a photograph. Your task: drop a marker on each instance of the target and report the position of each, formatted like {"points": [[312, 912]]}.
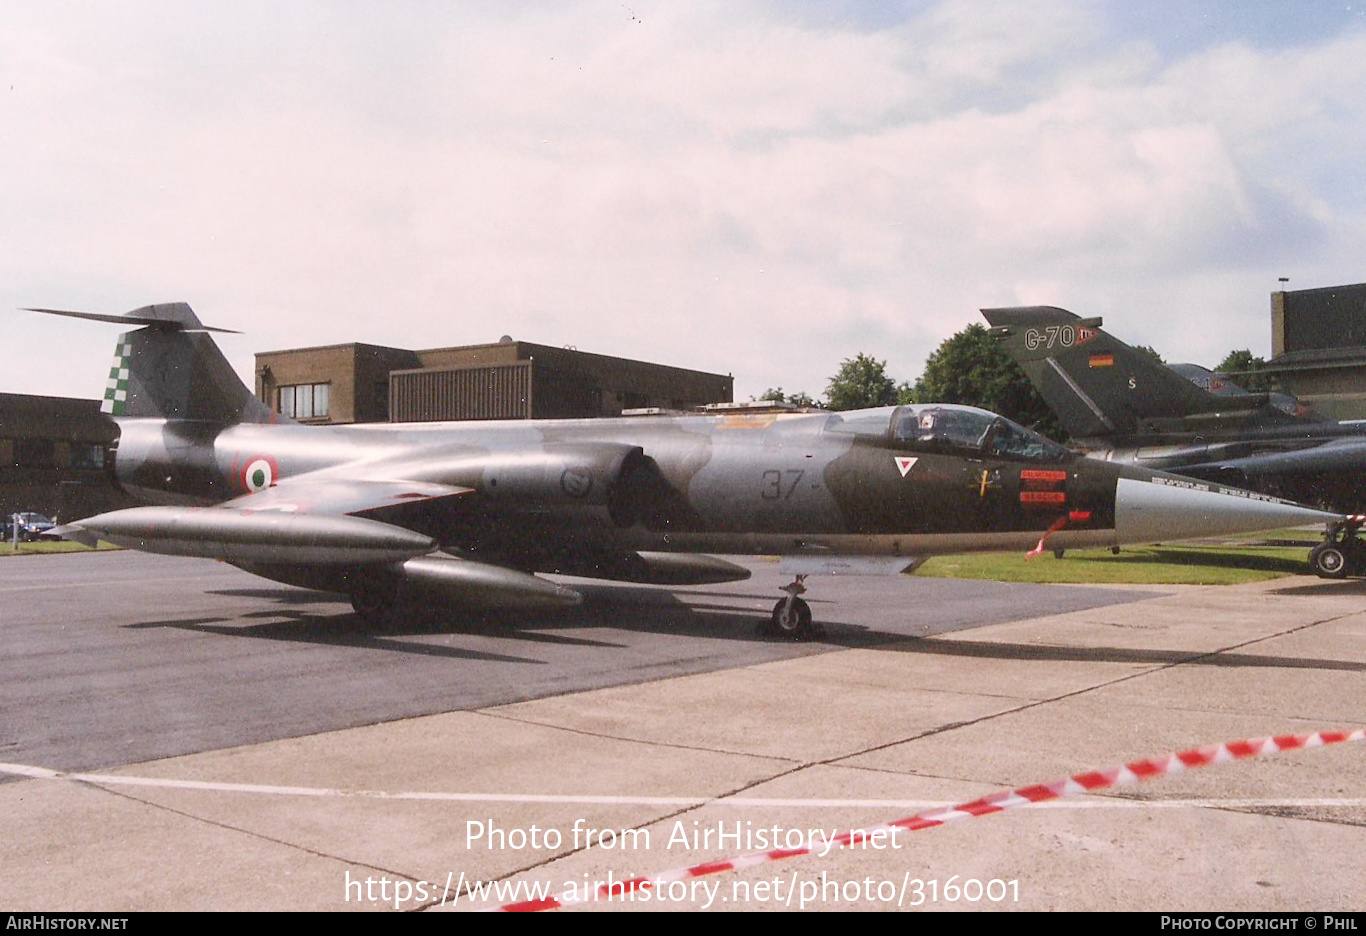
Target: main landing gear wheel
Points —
{"points": [[1329, 560], [792, 616], [375, 602], [1342, 552]]}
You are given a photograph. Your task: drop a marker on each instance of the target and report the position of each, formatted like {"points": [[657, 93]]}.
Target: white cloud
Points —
{"points": [[720, 187]]}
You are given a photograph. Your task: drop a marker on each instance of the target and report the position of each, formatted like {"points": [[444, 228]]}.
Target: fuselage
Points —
{"points": [[468, 512], [904, 481]]}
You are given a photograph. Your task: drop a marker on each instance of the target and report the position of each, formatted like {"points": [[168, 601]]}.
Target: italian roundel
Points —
{"points": [[260, 473]]}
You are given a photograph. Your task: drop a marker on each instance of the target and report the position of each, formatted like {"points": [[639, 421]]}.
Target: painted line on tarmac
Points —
{"points": [[211, 786]]}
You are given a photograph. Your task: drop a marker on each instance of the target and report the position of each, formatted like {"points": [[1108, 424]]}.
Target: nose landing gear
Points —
{"points": [[792, 616]]}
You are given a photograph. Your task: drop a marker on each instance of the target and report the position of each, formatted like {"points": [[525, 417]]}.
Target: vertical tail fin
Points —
{"points": [[171, 368], [1096, 384]]}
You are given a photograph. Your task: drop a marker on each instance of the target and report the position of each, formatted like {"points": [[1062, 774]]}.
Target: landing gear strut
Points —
{"points": [[792, 616], [1340, 554], [375, 601]]}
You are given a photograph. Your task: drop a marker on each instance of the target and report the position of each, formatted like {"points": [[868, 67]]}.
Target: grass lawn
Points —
{"points": [[1226, 563], [60, 546]]}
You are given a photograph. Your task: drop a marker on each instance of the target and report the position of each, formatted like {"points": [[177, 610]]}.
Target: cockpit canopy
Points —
{"points": [[949, 429]]}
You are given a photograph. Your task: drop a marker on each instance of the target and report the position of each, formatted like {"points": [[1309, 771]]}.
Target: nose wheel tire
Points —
{"points": [[1329, 560], [792, 619]]}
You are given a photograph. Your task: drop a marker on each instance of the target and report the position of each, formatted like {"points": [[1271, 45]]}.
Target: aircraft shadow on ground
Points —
{"points": [[606, 607], [281, 595], [697, 613], [1015, 651], [340, 630], [1324, 587], [659, 611]]}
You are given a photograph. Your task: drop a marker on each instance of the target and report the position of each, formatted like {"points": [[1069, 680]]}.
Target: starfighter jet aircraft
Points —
{"points": [[469, 513], [1122, 406]]}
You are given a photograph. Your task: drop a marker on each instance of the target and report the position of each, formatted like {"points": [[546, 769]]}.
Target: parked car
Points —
{"points": [[31, 526]]}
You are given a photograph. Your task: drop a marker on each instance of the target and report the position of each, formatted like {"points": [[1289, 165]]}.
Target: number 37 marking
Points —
{"points": [[779, 485]]}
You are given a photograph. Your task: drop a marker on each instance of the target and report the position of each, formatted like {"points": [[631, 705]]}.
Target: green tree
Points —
{"points": [[861, 382], [1149, 351], [799, 398], [972, 368], [1245, 369]]}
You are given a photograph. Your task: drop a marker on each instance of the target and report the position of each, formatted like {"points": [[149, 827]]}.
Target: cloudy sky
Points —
{"points": [[759, 188]]}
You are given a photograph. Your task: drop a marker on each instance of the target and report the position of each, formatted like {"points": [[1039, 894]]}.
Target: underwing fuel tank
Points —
{"points": [[655, 568], [479, 585], [1158, 507], [252, 536], [686, 569]]}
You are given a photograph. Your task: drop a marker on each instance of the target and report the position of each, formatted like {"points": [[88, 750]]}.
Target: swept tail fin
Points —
{"points": [[171, 368], [1096, 384]]}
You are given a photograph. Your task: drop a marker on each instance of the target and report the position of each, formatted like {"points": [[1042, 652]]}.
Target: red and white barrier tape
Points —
{"points": [[1124, 775]]}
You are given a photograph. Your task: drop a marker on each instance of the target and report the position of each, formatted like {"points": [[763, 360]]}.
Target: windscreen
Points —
{"points": [[972, 432]]}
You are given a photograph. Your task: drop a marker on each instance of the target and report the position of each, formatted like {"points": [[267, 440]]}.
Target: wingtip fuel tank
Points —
{"points": [[256, 536]]}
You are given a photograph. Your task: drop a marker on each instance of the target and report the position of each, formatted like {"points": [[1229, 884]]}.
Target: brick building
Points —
{"points": [[1318, 347], [505, 380], [53, 456]]}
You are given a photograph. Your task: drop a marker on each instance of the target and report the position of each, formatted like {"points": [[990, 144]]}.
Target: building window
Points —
{"points": [[304, 401], [35, 453], [84, 455]]}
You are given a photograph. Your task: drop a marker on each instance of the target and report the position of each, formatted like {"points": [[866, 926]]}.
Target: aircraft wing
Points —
{"points": [[322, 529], [326, 493], [1337, 456], [1333, 473]]}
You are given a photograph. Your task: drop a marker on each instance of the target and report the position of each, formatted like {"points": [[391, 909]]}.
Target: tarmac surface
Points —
{"points": [[250, 746]]}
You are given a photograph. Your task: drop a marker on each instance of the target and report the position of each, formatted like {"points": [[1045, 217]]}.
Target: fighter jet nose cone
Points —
{"points": [[1169, 508]]}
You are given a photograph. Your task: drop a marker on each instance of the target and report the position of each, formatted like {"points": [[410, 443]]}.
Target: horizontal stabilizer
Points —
{"points": [[166, 366], [133, 318]]}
